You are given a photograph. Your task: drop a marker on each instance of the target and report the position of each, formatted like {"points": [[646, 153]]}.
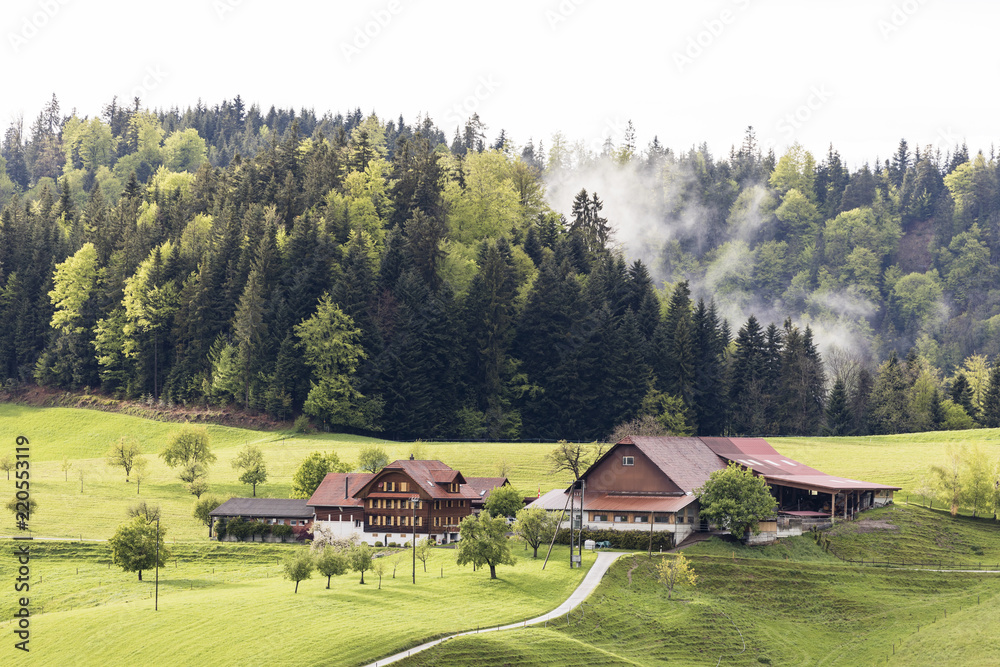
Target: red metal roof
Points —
{"points": [[758, 455], [763, 459], [331, 491]]}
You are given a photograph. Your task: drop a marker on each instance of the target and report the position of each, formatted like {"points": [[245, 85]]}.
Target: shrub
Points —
{"points": [[258, 528], [378, 544], [393, 544], [624, 539], [302, 425], [238, 528], [220, 529], [281, 531]]}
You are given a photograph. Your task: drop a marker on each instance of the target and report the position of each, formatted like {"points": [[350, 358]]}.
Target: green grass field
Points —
{"points": [[228, 604], [91, 509], [794, 602]]}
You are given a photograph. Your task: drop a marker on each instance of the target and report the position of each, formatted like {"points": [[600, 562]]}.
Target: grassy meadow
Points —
{"points": [[229, 604], [794, 602], [91, 508]]}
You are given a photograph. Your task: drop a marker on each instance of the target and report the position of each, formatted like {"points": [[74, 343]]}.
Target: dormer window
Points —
{"points": [[628, 460]]}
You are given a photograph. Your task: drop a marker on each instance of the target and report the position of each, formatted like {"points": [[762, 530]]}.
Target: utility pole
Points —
{"points": [[156, 601], [413, 540]]}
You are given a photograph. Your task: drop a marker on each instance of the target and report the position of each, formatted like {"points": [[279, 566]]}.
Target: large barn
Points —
{"points": [[649, 483]]}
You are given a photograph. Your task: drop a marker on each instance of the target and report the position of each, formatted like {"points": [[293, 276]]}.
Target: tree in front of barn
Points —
{"points": [[484, 542], [736, 500], [134, 545], [673, 571], [535, 526], [298, 568], [504, 501]]}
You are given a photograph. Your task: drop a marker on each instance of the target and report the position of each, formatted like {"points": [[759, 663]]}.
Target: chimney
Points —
{"points": [[411, 457]]}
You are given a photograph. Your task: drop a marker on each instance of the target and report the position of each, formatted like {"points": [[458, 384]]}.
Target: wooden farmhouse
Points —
{"points": [[405, 498], [649, 483]]}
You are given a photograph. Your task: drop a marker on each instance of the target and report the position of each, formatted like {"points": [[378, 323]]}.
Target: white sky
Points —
{"points": [[873, 71]]}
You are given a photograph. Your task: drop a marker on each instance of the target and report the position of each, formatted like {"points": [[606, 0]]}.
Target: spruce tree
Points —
{"points": [[991, 401], [748, 394], [961, 394], [888, 408], [839, 419]]}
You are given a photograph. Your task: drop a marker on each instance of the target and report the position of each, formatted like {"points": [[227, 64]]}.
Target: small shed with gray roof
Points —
{"points": [[273, 511]]}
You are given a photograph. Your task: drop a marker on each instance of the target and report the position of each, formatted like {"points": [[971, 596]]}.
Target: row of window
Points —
{"points": [[403, 504], [406, 521], [684, 516], [402, 487], [393, 504], [383, 520]]}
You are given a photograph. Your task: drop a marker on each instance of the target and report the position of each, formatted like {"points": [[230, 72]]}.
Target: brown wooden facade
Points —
{"points": [[405, 497], [629, 470]]}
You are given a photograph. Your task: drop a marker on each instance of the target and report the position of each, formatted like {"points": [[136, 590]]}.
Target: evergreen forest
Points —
{"points": [[380, 276]]}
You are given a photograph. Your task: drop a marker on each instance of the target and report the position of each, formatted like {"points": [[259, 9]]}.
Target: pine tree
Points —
{"points": [[748, 393], [991, 401], [888, 408], [839, 419], [710, 395], [859, 400], [961, 394], [489, 319]]}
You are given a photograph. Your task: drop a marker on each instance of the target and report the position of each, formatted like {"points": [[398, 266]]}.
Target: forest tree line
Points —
{"points": [[377, 278]]}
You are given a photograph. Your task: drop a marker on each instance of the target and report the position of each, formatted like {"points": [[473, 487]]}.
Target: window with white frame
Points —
{"points": [[628, 460]]}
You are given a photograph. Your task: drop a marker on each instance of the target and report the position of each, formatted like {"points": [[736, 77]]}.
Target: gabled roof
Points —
{"points": [[277, 508], [429, 477], [479, 488], [686, 461], [333, 492]]}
